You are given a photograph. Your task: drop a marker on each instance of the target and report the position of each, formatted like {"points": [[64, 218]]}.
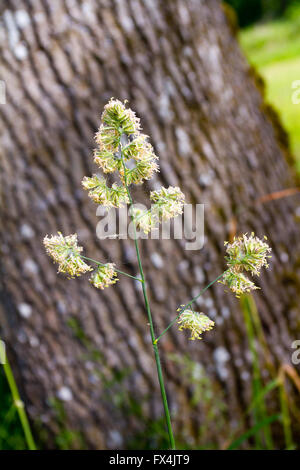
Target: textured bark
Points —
{"points": [[179, 65]]}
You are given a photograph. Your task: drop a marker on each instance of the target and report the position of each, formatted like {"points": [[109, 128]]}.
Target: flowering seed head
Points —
{"points": [[141, 152], [104, 276], [144, 219], [247, 252], [168, 202], [108, 139], [142, 170], [117, 116], [138, 148], [237, 282], [117, 121], [107, 161], [196, 322], [101, 194], [66, 252]]}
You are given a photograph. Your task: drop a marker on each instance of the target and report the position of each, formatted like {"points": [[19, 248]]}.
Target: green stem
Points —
{"points": [[187, 306], [19, 405], [155, 347], [118, 270]]}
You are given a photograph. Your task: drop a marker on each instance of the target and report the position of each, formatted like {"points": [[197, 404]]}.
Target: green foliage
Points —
{"points": [[274, 48], [206, 394], [65, 439], [261, 430], [250, 11], [262, 435], [254, 431], [11, 433], [153, 434], [274, 41]]}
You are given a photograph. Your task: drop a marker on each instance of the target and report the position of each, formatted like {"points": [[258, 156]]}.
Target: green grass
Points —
{"points": [[274, 49], [11, 433]]}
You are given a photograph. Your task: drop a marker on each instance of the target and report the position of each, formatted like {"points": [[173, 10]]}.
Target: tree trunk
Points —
{"points": [[83, 358]]}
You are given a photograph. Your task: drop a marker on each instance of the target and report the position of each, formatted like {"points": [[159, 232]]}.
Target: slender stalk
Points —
{"points": [[19, 405], [118, 270], [155, 347], [187, 306]]}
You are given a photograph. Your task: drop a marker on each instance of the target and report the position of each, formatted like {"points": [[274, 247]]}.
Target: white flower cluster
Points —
{"points": [[245, 253], [66, 252], [116, 120], [104, 276], [144, 219], [168, 203], [135, 161], [113, 155], [101, 194], [140, 152], [238, 282], [196, 322], [121, 149]]}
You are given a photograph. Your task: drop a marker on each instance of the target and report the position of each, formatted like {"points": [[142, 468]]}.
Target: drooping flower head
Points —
{"points": [[66, 252], [104, 276], [245, 253], [100, 193], [196, 322], [238, 282]]}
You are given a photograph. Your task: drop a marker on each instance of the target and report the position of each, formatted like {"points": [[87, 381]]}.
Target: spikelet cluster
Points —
{"points": [[248, 252], [141, 155], [122, 149], [144, 219], [66, 252], [107, 161], [116, 116], [104, 195], [245, 253], [104, 276], [238, 282], [196, 322], [167, 203], [118, 121]]}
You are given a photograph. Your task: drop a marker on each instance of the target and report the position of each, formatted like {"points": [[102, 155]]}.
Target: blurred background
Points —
{"points": [[270, 39], [225, 146]]}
